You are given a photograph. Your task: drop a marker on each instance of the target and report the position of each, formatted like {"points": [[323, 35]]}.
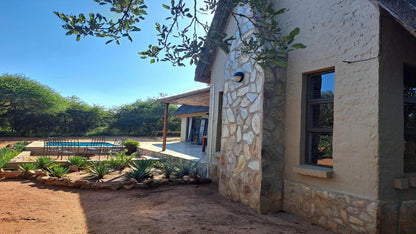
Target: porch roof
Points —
{"points": [[187, 109], [196, 97]]}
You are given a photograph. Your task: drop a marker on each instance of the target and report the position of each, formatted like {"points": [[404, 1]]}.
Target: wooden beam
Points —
{"points": [[165, 126]]}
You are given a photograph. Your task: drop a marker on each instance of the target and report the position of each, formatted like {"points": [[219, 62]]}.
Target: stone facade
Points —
{"points": [[337, 211], [240, 163]]}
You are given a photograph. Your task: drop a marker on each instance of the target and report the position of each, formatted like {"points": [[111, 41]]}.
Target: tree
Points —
{"points": [[184, 34], [144, 118], [24, 102]]}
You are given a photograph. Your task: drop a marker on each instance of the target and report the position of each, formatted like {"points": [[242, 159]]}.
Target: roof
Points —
{"points": [[187, 109], [404, 11], [203, 69], [196, 97]]}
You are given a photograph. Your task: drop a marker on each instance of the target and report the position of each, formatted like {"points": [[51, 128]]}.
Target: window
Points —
{"points": [[319, 118], [409, 108]]}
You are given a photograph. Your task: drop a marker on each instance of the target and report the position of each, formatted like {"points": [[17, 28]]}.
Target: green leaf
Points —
{"points": [[78, 37], [109, 41], [279, 62], [294, 32], [166, 6], [152, 61], [299, 46]]}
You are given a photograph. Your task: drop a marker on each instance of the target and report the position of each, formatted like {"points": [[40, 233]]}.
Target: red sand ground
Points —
{"points": [[29, 207]]}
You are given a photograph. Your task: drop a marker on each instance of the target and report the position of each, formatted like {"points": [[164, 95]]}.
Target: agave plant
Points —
{"points": [[141, 169], [78, 161], [43, 163], [98, 170], [121, 160], [57, 171], [168, 168], [25, 168]]}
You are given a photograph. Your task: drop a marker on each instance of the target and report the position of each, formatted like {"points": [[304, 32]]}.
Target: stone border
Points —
{"points": [[43, 178]]}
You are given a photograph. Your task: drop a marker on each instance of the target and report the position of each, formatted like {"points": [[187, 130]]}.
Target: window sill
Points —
{"points": [[315, 171]]}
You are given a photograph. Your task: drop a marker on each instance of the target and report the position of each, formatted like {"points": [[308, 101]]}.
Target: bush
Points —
{"points": [[98, 170], [43, 163], [121, 161], [141, 169], [131, 142], [57, 171], [6, 154], [78, 161]]}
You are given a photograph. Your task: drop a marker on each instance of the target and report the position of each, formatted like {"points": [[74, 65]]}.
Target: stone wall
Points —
{"points": [[339, 212], [240, 163], [273, 147]]}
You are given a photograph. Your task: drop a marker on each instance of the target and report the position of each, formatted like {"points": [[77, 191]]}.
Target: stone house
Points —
{"points": [[331, 137]]}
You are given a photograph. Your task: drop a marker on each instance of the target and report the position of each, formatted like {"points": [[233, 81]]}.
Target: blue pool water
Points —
{"points": [[80, 144]]}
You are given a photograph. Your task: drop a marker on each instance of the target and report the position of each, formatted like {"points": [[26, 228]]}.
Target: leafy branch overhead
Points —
{"points": [[183, 35]]}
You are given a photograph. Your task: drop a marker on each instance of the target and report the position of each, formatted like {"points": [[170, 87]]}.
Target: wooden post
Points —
{"points": [[165, 126]]}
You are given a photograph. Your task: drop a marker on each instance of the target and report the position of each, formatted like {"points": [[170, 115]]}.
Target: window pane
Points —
{"points": [[410, 153], [409, 116], [322, 115], [320, 145], [321, 86]]}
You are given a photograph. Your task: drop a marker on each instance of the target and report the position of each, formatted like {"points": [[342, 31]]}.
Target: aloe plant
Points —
{"points": [[141, 169], [43, 163], [25, 168], [99, 170], [78, 161], [57, 171]]}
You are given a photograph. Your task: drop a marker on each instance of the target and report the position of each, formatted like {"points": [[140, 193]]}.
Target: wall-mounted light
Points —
{"points": [[238, 77]]}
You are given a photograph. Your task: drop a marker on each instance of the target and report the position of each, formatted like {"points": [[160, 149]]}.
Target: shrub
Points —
{"points": [[57, 171], [25, 168], [131, 142], [98, 170], [78, 161], [6, 155], [43, 163], [121, 160], [20, 146], [185, 168], [141, 169]]}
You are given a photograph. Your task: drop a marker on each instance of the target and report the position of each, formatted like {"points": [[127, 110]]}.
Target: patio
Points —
{"points": [[177, 149]]}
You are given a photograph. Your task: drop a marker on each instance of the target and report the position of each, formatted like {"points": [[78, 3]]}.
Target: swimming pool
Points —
{"points": [[80, 144]]}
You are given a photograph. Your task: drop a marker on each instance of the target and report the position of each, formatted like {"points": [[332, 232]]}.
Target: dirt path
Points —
{"points": [[28, 207]]}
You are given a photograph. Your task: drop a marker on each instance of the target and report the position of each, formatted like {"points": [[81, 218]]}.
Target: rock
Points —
{"points": [[128, 186], [31, 172], [1, 170], [39, 172], [133, 181], [50, 180], [85, 187], [192, 181], [96, 186], [73, 168], [186, 178], [164, 181], [61, 182], [148, 181], [114, 186], [141, 185], [10, 174], [76, 184]]}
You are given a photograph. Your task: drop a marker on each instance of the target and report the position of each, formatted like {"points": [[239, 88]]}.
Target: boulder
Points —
{"points": [[76, 183], [39, 172], [42, 179], [186, 178], [112, 186], [50, 180], [133, 181]]}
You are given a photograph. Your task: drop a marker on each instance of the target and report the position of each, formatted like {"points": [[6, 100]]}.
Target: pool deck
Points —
{"points": [[178, 149]]}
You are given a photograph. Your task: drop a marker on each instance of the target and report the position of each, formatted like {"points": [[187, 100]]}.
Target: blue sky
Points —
{"points": [[34, 44]]}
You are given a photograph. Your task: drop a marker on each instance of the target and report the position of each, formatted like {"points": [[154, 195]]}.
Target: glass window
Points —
{"points": [[320, 118], [409, 109]]}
